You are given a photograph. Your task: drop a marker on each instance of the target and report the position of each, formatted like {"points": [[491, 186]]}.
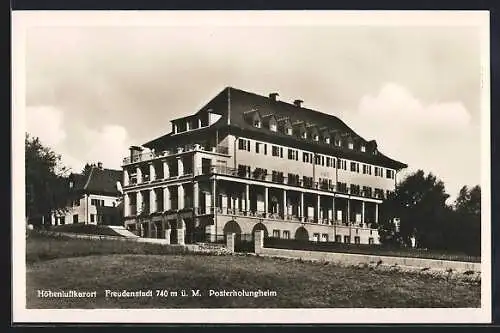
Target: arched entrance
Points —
{"points": [[260, 226], [232, 227], [302, 234]]}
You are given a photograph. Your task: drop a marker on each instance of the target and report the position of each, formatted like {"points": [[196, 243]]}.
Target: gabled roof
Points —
{"points": [[237, 107], [97, 181]]}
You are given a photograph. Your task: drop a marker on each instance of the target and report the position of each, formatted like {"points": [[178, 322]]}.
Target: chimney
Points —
{"points": [[99, 165], [274, 96], [298, 103]]}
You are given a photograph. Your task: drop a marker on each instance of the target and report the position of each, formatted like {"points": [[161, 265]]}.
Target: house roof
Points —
{"points": [[98, 181], [237, 107]]}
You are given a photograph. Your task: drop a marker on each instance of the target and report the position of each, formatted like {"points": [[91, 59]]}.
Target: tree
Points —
{"points": [[46, 187], [86, 169], [420, 203], [469, 201]]}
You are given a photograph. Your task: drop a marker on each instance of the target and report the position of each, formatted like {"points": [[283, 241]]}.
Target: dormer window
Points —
{"points": [[289, 131], [304, 135], [350, 145], [338, 142], [375, 152], [70, 184], [327, 140], [273, 125], [256, 123], [363, 148], [316, 137]]}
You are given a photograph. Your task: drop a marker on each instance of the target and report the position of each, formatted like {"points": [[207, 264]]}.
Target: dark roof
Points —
{"points": [[236, 107], [97, 181]]}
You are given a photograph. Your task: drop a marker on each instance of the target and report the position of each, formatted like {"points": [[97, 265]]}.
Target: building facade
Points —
{"points": [[246, 162], [95, 198]]}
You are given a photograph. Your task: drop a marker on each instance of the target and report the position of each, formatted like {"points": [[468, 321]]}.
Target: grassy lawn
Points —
{"points": [[136, 266]]}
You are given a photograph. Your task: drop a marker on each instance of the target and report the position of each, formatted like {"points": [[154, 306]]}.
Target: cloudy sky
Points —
{"points": [[92, 91]]}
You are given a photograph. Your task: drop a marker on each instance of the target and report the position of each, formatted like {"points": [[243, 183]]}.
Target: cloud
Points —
{"points": [[108, 145], [436, 137], [45, 122]]}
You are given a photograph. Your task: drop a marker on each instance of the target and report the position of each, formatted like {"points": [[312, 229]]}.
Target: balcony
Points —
{"points": [[147, 156]]}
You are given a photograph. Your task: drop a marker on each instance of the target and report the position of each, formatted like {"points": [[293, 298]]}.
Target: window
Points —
{"points": [[354, 189], [76, 203], [281, 152], [265, 149], [338, 238], [389, 174], [256, 123], [277, 177], [276, 233], [363, 148], [293, 179], [70, 184], [327, 140], [328, 163], [357, 240], [289, 131], [342, 187], [317, 160], [62, 220], [307, 181], [243, 144], [324, 237], [97, 202], [316, 237], [75, 218], [370, 241], [350, 145], [304, 135], [243, 170], [342, 164], [272, 126], [354, 167], [338, 142], [257, 147], [276, 151], [293, 154], [286, 234], [323, 160], [347, 239], [316, 137], [92, 217]]}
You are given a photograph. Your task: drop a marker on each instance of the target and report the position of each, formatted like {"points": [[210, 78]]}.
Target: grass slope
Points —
{"points": [[298, 284]]}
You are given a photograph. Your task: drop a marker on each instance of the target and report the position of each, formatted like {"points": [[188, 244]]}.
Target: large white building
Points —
{"points": [[246, 162]]}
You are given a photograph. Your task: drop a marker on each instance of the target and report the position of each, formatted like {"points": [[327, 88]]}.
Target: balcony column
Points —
{"points": [[266, 201], [180, 197], [376, 213], [247, 198], [196, 197], [139, 202], [126, 205], [152, 171], [180, 166], [166, 171], [166, 199], [302, 217], [126, 179], [363, 212], [284, 205], [318, 208], [214, 200], [152, 201], [139, 175]]}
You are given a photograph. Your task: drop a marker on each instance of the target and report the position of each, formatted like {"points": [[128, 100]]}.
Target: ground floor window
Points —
{"points": [[316, 237], [338, 238], [357, 240], [347, 239], [92, 217], [75, 218], [276, 233], [286, 234], [62, 220], [370, 241], [324, 238]]}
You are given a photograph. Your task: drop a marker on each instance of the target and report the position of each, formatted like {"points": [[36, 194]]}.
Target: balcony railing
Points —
{"points": [[187, 148]]}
